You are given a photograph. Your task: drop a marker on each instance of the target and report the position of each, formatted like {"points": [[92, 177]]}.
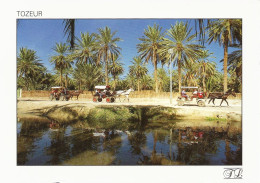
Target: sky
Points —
{"points": [[41, 35]]}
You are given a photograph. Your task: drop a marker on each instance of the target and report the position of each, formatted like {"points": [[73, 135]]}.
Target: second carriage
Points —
{"points": [[103, 92]]}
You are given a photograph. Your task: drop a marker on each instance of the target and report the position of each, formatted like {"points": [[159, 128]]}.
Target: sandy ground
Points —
{"points": [[25, 105]]}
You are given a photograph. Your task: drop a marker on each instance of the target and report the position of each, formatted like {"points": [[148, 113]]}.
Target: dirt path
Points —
{"points": [[27, 106]]}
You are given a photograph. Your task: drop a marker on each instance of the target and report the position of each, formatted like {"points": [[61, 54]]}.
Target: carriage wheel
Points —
{"points": [[94, 99], [112, 99], [201, 103], [108, 100], [180, 102], [51, 97], [100, 99]]}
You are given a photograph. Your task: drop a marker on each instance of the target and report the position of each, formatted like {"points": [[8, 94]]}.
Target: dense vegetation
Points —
{"points": [[95, 59]]}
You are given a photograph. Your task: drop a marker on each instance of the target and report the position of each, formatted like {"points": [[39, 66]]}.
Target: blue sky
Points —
{"points": [[42, 34]]}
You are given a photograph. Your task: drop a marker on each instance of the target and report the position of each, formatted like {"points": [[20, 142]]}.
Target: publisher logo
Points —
{"points": [[232, 173]]}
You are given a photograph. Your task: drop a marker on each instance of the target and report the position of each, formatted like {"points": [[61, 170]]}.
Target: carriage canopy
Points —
{"points": [[189, 87], [57, 87], [101, 87]]}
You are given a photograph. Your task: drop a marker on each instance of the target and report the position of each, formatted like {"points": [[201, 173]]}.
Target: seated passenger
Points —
{"points": [[183, 94]]}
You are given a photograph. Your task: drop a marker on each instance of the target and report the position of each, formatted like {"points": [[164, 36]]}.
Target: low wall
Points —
{"points": [[135, 94]]}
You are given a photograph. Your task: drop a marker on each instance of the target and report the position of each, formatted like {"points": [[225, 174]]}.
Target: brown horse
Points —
{"points": [[75, 93], [213, 96]]}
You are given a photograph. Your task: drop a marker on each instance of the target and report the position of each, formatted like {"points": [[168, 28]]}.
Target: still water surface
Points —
{"points": [[45, 142]]}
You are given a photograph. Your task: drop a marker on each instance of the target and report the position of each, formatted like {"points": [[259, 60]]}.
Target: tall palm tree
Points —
{"points": [[106, 47], [206, 68], [69, 30], [183, 45], [62, 59], [85, 48], [138, 70], [28, 65], [116, 68], [150, 46], [225, 32]]}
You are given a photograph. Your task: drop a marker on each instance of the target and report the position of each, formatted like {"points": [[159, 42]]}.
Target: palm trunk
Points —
{"points": [[225, 63], [66, 81], [61, 77], [179, 73], [155, 72], [203, 83], [138, 85], [115, 82], [106, 68]]}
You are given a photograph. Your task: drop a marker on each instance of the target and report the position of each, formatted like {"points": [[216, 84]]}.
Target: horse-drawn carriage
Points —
{"points": [[59, 93], [197, 98], [201, 97], [103, 92]]}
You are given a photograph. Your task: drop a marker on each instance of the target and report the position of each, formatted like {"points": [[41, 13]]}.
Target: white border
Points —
{"points": [[247, 10]]}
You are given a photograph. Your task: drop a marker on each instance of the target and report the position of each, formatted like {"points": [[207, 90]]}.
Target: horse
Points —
{"points": [[213, 96], [75, 93], [124, 93]]}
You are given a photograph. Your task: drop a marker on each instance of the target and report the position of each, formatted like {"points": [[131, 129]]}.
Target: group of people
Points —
{"points": [[194, 94]]}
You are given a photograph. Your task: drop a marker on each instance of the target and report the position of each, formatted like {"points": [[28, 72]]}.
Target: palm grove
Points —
{"points": [[95, 59]]}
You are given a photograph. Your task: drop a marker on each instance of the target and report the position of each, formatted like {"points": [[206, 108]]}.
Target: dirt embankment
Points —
{"points": [[75, 110]]}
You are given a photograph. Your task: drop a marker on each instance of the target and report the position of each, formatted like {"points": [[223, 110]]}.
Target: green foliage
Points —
{"points": [[29, 69], [106, 47], [150, 46], [86, 76], [90, 50], [226, 32], [115, 69], [184, 49], [110, 118], [62, 60], [85, 48], [137, 70]]}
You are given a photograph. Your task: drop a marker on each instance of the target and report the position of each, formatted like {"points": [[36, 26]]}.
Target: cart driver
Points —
{"points": [[194, 94], [183, 94]]}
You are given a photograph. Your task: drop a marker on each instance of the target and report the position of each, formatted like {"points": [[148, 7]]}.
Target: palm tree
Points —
{"points": [[106, 47], [206, 68], [225, 32], [61, 60], [137, 70], [28, 65], [69, 30], [115, 69], [146, 82], [85, 48], [190, 76], [183, 45], [235, 61], [163, 80], [67, 72], [87, 75], [150, 46]]}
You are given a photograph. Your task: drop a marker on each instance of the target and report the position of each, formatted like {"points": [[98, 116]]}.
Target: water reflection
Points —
{"points": [[48, 142]]}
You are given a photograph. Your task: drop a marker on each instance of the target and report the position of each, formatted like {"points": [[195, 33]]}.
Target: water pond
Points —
{"points": [[42, 141]]}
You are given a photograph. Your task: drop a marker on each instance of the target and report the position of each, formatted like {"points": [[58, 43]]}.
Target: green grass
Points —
{"points": [[215, 119]]}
